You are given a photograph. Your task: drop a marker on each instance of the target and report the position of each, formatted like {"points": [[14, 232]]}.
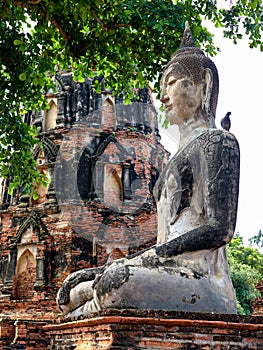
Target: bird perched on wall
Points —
{"points": [[226, 122]]}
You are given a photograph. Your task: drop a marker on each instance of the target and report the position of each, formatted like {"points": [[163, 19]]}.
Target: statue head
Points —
{"points": [[189, 83]]}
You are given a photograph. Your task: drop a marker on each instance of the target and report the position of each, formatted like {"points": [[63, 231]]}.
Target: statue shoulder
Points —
{"points": [[214, 138]]}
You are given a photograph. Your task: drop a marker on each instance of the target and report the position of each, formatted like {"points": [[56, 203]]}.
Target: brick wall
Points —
{"points": [[111, 214], [159, 331], [23, 334], [7, 331]]}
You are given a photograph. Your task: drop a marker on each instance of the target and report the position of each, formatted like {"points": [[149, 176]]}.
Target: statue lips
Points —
{"points": [[167, 108]]}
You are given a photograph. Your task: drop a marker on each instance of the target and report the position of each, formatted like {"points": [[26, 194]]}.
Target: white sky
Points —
{"points": [[241, 75]]}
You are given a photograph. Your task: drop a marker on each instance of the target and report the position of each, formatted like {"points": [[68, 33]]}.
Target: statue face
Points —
{"points": [[182, 98]]}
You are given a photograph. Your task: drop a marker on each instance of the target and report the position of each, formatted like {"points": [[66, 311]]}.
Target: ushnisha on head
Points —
{"points": [[190, 84]]}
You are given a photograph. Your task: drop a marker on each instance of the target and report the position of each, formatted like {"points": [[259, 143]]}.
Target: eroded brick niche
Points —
{"points": [[102, 159]]}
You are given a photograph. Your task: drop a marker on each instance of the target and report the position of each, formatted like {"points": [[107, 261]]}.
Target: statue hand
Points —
{"points": [[63, 297]]}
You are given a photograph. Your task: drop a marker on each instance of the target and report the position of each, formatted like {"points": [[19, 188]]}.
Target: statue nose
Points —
{"points": [[164, 97]]}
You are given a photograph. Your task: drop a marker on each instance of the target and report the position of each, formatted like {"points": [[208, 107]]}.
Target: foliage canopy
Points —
{"points": [[127, 41], [246, 269]]}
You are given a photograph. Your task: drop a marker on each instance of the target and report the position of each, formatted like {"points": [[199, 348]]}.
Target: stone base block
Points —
{"points": [[158, 330]]}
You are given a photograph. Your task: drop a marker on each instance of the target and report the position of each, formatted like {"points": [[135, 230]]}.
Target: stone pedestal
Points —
{"points": [[158, 330]]}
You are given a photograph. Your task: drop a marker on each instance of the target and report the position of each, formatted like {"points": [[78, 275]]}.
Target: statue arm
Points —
{"points": [[220, 171]]}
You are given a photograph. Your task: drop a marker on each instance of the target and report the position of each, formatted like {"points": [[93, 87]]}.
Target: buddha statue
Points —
{"points": [[196, 198]]}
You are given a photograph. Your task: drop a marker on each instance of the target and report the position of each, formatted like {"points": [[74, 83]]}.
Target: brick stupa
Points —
{"points": [[102, 158]]}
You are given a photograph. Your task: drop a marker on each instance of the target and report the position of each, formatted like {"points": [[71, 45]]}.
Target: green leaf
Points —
{"points": [[22, 76], [17, 42], [34, 196], [80, 79]]}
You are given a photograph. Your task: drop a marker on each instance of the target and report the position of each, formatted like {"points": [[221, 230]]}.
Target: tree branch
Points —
{"points": [[53, 21], [34, 2], [117, 25], [61, 31], [21, 4], [104, 26]]}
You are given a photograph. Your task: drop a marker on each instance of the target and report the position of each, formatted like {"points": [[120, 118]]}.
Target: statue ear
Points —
{"points": [[208, 84]]}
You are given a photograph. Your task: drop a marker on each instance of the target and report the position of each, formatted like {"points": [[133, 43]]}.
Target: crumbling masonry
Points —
{"points": [[102, 158]]}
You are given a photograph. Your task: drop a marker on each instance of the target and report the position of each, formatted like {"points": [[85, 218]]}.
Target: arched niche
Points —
{"points": [[46, 157], [108, 112], [27, 235], [106, 175], [49, 151], [25, 276], [27, 252], [32, 236], [50, 115], [31, 230], [113, 191], [40, 189]]}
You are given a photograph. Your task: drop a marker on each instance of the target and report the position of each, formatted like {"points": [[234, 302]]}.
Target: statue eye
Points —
{"points": [[171, 80]]}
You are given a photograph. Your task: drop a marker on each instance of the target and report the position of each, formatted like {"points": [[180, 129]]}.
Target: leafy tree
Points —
{"points": [[246, 269], [257, 239], [127, 41]]}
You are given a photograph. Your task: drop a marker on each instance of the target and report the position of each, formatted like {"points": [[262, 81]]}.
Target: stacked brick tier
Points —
{"points": [[159, 330]]}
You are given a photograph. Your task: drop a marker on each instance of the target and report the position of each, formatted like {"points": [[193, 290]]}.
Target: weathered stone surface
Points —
{"points": [[196, 198]]}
